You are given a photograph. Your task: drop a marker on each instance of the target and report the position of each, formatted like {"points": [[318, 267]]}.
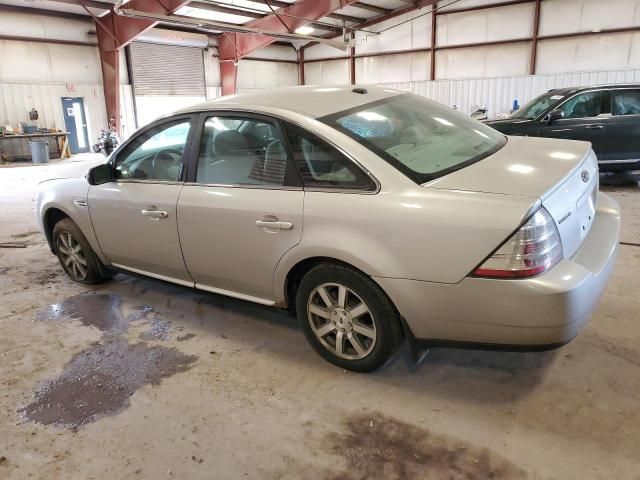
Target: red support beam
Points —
{"points": [[114, 32], [534, 40], [234, 46], [301, 66], [434, 26]]}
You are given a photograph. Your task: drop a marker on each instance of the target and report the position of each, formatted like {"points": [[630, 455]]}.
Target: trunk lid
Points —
{"points": [[563, 174]]}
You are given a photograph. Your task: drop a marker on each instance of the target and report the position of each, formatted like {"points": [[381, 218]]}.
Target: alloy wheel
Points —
{"points": [[72, 256], [341, 321]]}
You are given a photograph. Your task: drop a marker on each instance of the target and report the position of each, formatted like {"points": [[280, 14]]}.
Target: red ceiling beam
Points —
{"points": [[233, 46], [114, 32]]}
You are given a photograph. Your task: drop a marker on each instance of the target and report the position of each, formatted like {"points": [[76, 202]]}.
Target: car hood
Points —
{"points": [[525, 166], [72, 169]]}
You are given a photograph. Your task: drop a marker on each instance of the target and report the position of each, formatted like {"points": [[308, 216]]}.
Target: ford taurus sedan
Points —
{"points": [[373, 214]]}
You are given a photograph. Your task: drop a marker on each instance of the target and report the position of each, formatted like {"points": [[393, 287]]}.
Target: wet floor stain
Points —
{"points": [[377, 447], [98, 381], [101, 311], [185, 337], [159, 330]]}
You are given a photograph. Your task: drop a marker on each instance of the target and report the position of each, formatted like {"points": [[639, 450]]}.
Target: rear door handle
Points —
{"points": [[276, 224], [154, 213], [594, 127]]}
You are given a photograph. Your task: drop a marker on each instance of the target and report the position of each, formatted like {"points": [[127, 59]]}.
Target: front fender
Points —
{"points": [[69, 196]]}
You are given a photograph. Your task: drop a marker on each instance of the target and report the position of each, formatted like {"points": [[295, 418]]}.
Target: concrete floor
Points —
{"points": [[208, 387]]}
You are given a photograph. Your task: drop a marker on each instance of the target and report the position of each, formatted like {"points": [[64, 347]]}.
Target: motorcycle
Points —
{"points": [[479, 113], [107, 142]]}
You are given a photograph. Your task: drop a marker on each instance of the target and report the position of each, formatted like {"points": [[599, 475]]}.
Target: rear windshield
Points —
{"points": [[423, 139]]}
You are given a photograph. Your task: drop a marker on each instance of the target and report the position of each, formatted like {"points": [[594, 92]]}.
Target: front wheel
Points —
{"points": [[347, 318], [76, 256]]}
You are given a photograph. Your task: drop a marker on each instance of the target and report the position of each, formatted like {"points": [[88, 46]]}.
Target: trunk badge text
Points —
{"points": [[585, 176], [567, 215]]}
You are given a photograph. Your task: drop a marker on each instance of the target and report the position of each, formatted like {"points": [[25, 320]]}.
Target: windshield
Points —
{"points": [[421, 138], [536, 107]]}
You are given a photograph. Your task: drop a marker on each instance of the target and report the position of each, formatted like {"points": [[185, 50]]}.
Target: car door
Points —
{"points": [[623, 131], [135, 215], [585, 118], [242, 208]]}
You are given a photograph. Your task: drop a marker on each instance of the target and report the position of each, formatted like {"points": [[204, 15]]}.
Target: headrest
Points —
{"points": [[229, 143]]}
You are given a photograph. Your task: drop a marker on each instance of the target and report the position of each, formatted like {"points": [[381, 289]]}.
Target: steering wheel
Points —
{"points": [[163, 161]]}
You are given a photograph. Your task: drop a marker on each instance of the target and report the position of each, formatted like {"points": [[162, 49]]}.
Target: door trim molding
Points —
{"points": [[230, 293], [185, 283]]}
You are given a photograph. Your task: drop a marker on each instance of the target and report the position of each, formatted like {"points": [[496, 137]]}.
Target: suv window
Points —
{"points": [[241, 151], [583, 105], [156, 154], [625, 102], [321, 165]]}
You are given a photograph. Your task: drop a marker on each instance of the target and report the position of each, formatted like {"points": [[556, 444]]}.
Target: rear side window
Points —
{"points": [[625, 102], [323, 166], [241, 151]]}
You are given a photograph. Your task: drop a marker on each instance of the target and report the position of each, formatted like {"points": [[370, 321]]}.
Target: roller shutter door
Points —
{"points": [[167, 70]]}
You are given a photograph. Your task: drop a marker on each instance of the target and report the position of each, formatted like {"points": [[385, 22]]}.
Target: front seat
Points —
{"points": [[232, 160]]}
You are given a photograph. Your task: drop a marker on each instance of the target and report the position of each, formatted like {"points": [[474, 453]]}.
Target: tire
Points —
{"points": [[366, 318], [76, 256]]}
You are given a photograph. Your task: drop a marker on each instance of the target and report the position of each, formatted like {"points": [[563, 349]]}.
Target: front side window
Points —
{"points": [[536, 107], [625, 102], [156, 154], [321, 165], [421, 138], [584, 105], [241, 151]]}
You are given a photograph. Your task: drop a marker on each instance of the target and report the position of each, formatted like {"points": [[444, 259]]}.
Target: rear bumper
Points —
{"points": [[547, 310]]}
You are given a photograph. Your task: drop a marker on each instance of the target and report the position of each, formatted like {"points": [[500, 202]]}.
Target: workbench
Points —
{"points": [[14, 147]]}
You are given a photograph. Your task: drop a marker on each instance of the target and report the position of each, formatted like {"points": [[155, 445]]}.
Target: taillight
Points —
{"points": [[532, 250]]}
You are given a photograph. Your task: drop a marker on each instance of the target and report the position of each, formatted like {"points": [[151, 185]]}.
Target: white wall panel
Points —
{"points": [[330, 72], [413, 34], [499, 60], [31, 62], [323, 51], [602, 52], [497, 94], [257, 74], [570, 16], [393, 68], [451, 5], [492, 24], [45, 26], [276, 52], [211, 68]]}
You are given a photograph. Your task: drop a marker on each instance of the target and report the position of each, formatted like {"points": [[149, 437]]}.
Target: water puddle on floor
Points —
{"points": [[98, 381], [101, 311]]}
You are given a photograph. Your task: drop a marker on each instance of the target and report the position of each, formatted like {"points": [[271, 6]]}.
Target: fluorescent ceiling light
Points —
{"points": [[304, 30]]}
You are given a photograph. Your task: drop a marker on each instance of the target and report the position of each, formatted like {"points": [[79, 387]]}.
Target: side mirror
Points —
{"points": [[100, 174], [552, 116]]}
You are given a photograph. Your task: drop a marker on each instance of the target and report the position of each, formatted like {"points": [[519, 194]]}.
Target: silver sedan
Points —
{"points": [[375, 215]]}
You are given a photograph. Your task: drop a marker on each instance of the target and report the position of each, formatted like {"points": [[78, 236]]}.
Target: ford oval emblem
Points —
{"points": [[585, 176]]}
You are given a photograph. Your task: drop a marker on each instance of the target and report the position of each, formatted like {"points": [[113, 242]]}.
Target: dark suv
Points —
{"points": [[608, 116]]}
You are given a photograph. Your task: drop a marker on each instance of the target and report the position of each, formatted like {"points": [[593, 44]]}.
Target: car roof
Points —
{"points": [[313, 101], [591, 87]]}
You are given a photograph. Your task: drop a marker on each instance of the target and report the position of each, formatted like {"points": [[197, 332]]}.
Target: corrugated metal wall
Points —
{"points": [[497, 94]]}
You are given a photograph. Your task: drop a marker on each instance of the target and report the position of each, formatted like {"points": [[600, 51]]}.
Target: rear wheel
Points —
{"points": [[347, 318], [76, 256]]}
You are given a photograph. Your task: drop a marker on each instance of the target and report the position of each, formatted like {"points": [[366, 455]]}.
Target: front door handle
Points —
{"points": [[154, 213], [594, 127], [275, 224]]}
